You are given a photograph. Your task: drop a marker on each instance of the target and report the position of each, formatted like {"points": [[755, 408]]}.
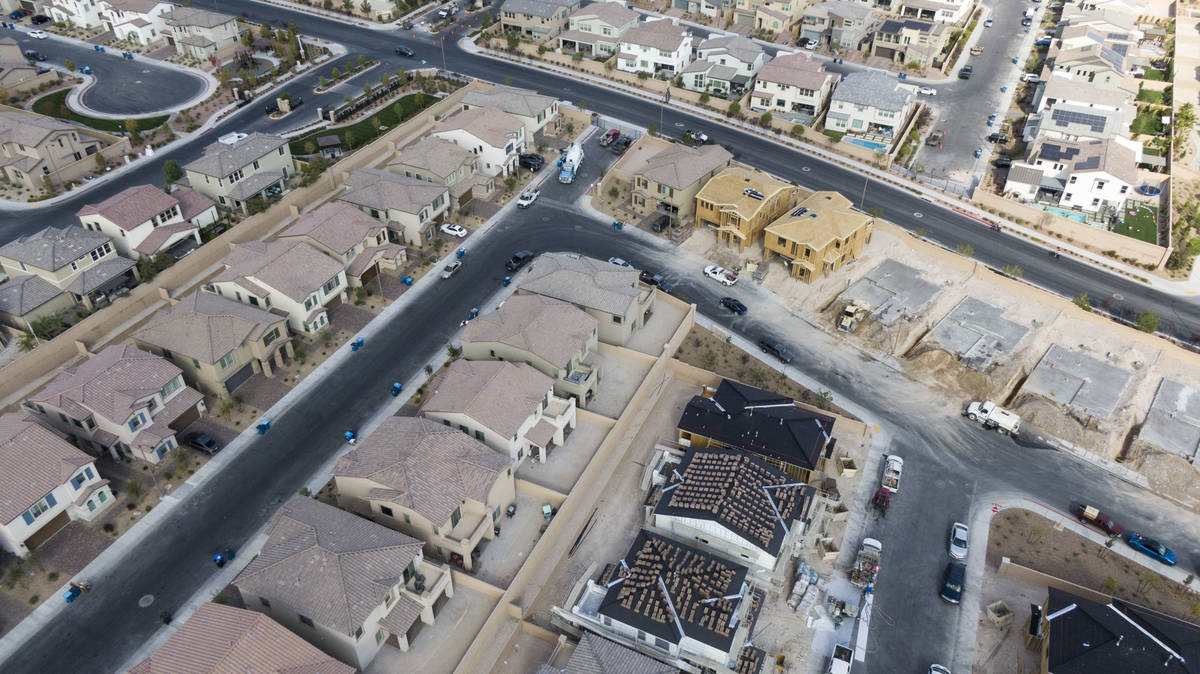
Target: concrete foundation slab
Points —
{"points": [[1078, 380], [977, 333], [1173, 423], [894, 290]]}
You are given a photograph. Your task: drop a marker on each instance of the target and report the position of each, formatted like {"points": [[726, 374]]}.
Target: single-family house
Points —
{"points": [[35, 148], [217, 342], [139, 21], [124, 401], [724, 65], [533, 109], [343, 583], [17, 74], [793, 86], [1058, 89], [442, 162], [77, 13], [350, 236], [739, 203], [1078, 121], [1091, 175], [818, 237], [909, 41], [869, 103], [46, 483], [840, 24], [233, 173], [286, 276], [429, 481], [666, 176], [82, 264], [661, 48], [613, 295], [538, 19], [495, 136], [940, 11], [199, 33], [412, 208], [596, 29], [553, 336], [510, 407], [143, 221], [770, 16]]}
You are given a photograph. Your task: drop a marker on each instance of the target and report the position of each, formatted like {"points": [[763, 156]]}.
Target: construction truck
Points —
{"points": [[840, 661], [866, 564], [569, 162], [992, 415], [852, 314], [893, 466]]}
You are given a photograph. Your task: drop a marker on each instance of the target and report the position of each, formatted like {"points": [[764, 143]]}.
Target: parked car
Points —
{"points": [[1150, 547], [454, 230], [952, 582], [619, 262], [202, 442], [1031, 77], [938, 669], [609, 137], [18, 14], [527, 198], [401, 50], [651, 279], [661, 224], [734, 305], [964, 73], [720, 275], [927, 91], [271, 108], [959, 540], [622, 145], [1149, 190], [40, 19], [697, 137], [451, 269], [1026, 22], [1003, 161], [518, 260], [988, 23], [810, 44], [533, 162], [1092, 516], [34, 55], [776, 348], [1001, 138], [39, 34]]}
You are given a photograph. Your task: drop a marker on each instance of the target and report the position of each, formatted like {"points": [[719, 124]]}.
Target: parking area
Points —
{"points": [[566, 463], [501, 557], [619, 379], [440, 646], [658, 330]]}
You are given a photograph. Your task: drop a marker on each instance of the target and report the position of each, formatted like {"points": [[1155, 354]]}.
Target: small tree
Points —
{"points": [[704, 98], [224, 78], [322, 82], [256, 205], [965, 249], [348, 5], [365, 8], [1147, 321], [335, 73], [367, 88], [69, 65], [876, 212], [361, 61], [512, 39], [798, 130], [131, 125], [47, 186], [171, 171], [133, 487], [101, 162], [651, 129], [825, 400], [1081, 300], [167, 133], [1012, 270]]}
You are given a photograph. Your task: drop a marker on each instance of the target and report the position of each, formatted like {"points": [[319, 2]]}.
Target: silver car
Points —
{"points": [[958, 540]]}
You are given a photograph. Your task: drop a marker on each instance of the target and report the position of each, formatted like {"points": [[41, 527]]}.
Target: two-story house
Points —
{"points": [[869, 103], [840, 24], [553, 336], [411, 208], [596, 29], [344, 584], [661, 48], [345, 233], [139, 21], [510, 407], [233, 173], [490, 133], [34, 148], [538, 19], [199, 33], [442, 162], [534, 110], [123, 401], [739, 203], [217, 342], [909, 41], [46, 483], [666, 176], [771, 16], [429, 481], [288, 276], [724, 65], [819, 236], [1091, 175], [82, 264], [613, 295], [793, 86], [78, 13], [143, 221], [941, 11]]}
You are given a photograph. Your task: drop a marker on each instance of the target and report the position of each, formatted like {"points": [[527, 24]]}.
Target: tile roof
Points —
{"points": [[830, 216], [111, 384], [797, 70], [496, 394], [660, 34], [542, 8], [728, 188], [30, 129], [33, 462], [584, 281], [438, 156], [221, 639], [546, 327], [192, 203], [250, 186], [152, 243], [680, 166], [427, 466], [1088, 155], [597, 655], [219, 159], [1024, 174], [293, 268], [489, 124], [872, 88], [97, 276], [736, 46], [337, 225], [205, 326], [847, 10], [1060, 88], [192, 16], [53, 248], [521, 102], [329, 565], [761, 422], [134, 6], [384, 190], [159, 429], [22, 294], [131, 206], [614, 14]]}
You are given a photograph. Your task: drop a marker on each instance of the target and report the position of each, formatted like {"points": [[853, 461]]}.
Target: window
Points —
{"points": [[305, 619], [359, 632], [78, 480], [271, 337], [378, 636], [103, 497], [171, 387], [264, 601], [330, 285], [456, 516], [91, 505], [226, 360], [39, 508], [387, 511], [617, 320]]}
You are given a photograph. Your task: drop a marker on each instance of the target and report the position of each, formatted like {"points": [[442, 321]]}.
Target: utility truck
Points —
{"points": [[866, 564], [569, 163], [992, 415]]}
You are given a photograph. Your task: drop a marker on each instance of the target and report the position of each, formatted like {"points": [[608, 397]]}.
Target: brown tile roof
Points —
{"points": [[152, 243], [681, 166], [293, 268], [489, 124], [429, 467], [327, 564], [131, 206], [434, 155], [110, 384], [192, 203], [584, 281], [597, 655], [661, 34], [383, 190], [546, 327], [797, 70], [220, 639], [515, 101], [338, 225], [33, 462], [498, 395], [30, 129]]}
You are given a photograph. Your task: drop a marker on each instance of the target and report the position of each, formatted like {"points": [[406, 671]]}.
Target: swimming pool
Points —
{"points": [[869, 144], [1064, 213]]}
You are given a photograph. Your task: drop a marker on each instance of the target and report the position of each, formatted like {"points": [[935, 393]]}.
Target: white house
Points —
{"points": [[596, 29], [497, 137], [533, 109], [793, 86], [1091, 176], [942, 11], [46, 483], [143, 220], [869, 103], [289, 276], [138, 21], [78, 13], [724, 65], [660, 48]]}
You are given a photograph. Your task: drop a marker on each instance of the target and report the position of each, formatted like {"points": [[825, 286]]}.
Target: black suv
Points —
{"points": [[401, 50], [1003, 162], [619, 147], [775, 347], [965, 72], [661, 223], [519, 260], [533, 162], [1001, 138], [40, 19], [952, 582]]}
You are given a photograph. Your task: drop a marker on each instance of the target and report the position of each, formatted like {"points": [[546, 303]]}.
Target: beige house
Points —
{"points": [[615, 296], [553, 336], [495, 136], [82, 264], [345, 233], [46, 483], [344, 584], [533, 109], [218, 639], [291, 277], [793, 86], [199, 33], [509, 407], [442, 162], [909, 41], [18, 75], [820, 236], [143, 221], [34, 147], [596, 29], [666, 176], [26, 299], [412, 208], [429, 481], [538, 19], [233, 173], [123, 401], [739, 203], [217, 342]]}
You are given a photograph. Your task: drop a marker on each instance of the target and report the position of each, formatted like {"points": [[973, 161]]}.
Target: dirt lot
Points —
{"points": [[1032, 541]]}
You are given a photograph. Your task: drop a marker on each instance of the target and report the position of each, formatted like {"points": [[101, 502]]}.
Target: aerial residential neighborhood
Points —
{"points": [[570, 336]]}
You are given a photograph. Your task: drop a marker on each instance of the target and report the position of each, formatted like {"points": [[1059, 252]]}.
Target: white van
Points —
{"points": [[1029, 13]]}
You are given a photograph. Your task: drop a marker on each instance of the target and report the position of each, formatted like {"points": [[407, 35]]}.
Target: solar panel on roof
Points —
{"points": [[1063, 118]]}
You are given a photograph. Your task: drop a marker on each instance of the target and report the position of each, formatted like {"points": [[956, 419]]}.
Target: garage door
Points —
{"points": [[240, 377], [47, 531]]}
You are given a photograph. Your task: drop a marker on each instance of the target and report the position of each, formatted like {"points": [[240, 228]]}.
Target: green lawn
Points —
{"points": [[835, 135], [1141, 222], [54, 105], [364, 131], [1156, 75], [1147, 122], [1150, 96]]}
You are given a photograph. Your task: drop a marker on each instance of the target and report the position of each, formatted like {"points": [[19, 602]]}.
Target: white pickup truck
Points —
{"points": [[893, 466], [992, 415], [840, 661]]}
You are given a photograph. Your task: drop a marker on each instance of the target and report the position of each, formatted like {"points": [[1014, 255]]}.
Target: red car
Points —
{"points": [[610, 137], [1089, 515]]}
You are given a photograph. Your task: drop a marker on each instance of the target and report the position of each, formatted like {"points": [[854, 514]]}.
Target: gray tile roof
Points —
{"points": [[29, 129], [797, 70], [583, 281], [382, 190], [847, 10], [660, 34], [546, 327], [680, 166], [542, 8], [205, 326], [432, 155], [329, 565], [338, 225], [735, 46], [110, 384], [22, 294], [293, 268], [53, 248], [96, 276], [1025, 175], [131, 206], [489, 124], [496, 394], [615, 14], [33, 462], [873, 88], [431, 468], [219, 159], [522, 102], [597, 655], [191, 16]]}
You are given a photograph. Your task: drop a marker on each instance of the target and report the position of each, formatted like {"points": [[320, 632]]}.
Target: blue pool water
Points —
{"points": [[1062, 212], [869, 144]]}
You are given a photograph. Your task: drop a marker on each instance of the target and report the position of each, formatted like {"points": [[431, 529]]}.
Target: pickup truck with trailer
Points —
{"points": [[992, 415]]}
